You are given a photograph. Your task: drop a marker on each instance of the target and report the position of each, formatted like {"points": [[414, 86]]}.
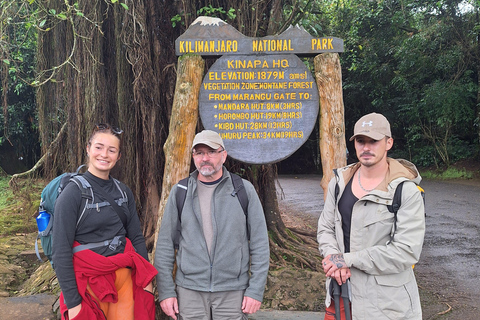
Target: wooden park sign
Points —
{"points": [[259, 95]]}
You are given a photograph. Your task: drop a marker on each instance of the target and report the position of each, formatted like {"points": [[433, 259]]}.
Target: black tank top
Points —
{"points": [[345, 207]]}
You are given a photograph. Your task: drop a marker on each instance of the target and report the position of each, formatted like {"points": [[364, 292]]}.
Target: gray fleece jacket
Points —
{"points": [[228, 266]]}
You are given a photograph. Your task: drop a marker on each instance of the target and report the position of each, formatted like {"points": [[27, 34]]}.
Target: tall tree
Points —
{"points": [[104, 61]]}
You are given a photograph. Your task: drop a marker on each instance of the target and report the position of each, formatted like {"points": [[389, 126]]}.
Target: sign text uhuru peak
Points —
{"points": [[255, 46]]}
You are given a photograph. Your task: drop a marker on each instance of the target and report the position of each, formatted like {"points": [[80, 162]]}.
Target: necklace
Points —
{"points": [[360, 184]]}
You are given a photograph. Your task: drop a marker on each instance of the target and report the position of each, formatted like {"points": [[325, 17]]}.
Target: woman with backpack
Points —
{"points": [[99, 252]]}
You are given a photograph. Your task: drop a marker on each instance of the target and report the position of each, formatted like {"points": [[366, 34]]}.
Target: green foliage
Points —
{"points": [[18, 121], [213, 12], [124, 5], [18, 207], [176, 19], [450, 173], [411, 61], [313, 16]]}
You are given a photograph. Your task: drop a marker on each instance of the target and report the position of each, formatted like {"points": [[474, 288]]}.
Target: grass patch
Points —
{"points": [[450, 173], [19, 206], [5, 192]]}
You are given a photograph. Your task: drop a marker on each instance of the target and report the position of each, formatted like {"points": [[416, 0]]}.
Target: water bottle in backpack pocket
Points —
{"points": [[42, 220], [45, 224]]}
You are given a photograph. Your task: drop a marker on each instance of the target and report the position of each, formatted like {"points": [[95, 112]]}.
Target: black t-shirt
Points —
{"points": [[345, 207]]}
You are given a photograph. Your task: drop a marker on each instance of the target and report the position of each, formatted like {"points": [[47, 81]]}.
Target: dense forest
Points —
{"points": [[66, 65], [415, 61]]}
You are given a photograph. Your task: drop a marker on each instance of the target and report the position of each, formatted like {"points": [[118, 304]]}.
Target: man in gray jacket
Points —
{"points": [[223, 253], [356, 233]]}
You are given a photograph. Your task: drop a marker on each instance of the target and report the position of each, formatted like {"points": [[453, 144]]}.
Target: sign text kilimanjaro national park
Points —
{"points": [[259, 95]]}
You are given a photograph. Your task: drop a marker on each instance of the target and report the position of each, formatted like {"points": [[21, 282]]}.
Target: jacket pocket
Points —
{"points": [[85, 313], [230, 266], [397, 295]]}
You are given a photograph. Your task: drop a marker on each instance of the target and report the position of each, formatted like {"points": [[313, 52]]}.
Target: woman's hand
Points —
{"points": [[149, 287], [73, 312]]}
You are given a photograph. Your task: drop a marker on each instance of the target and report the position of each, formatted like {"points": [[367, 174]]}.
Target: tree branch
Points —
{"points": [[39, 165]]}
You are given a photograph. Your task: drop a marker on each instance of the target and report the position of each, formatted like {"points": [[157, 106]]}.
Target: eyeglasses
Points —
{"points": [[210, 153], [106, 126]]}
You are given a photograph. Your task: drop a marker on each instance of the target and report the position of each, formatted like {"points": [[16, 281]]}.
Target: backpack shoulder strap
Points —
{"points": [[117, 208], [337, 187], [87, 194], [84, 186], [240, 191], [181, 195], [396, 204], [397, 200], [122, 188]]}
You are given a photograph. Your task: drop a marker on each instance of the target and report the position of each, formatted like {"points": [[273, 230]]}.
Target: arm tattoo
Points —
{"points": [[338, 260]]}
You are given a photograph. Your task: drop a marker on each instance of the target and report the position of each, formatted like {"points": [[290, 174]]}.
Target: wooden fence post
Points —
{"points": [[183, 121], [333, 150]]}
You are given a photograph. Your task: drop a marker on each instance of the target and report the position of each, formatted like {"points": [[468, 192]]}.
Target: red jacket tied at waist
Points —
{"points": [[99, 272]]}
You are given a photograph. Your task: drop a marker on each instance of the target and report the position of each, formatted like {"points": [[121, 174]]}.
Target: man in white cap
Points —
{"points": [[223, 251], [362, 240]]}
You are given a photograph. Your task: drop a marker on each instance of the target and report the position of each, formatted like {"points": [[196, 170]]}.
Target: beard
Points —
{"points": [[207, 169], [367, 163]]}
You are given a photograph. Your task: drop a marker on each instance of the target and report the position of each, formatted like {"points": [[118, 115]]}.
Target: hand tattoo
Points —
{"points": [[338, 260]]}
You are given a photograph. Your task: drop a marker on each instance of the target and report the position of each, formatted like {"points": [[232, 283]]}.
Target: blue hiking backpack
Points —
{"points": [[49, 196]]}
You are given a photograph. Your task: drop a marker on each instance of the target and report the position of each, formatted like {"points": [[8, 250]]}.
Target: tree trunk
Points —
{"points": [[268, 193], [333, 147], [183, 121], [145, 88], [53, 48]]}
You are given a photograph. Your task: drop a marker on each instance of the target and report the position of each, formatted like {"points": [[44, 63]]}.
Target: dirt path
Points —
{"points": [[450, 262], [448, 271]]}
